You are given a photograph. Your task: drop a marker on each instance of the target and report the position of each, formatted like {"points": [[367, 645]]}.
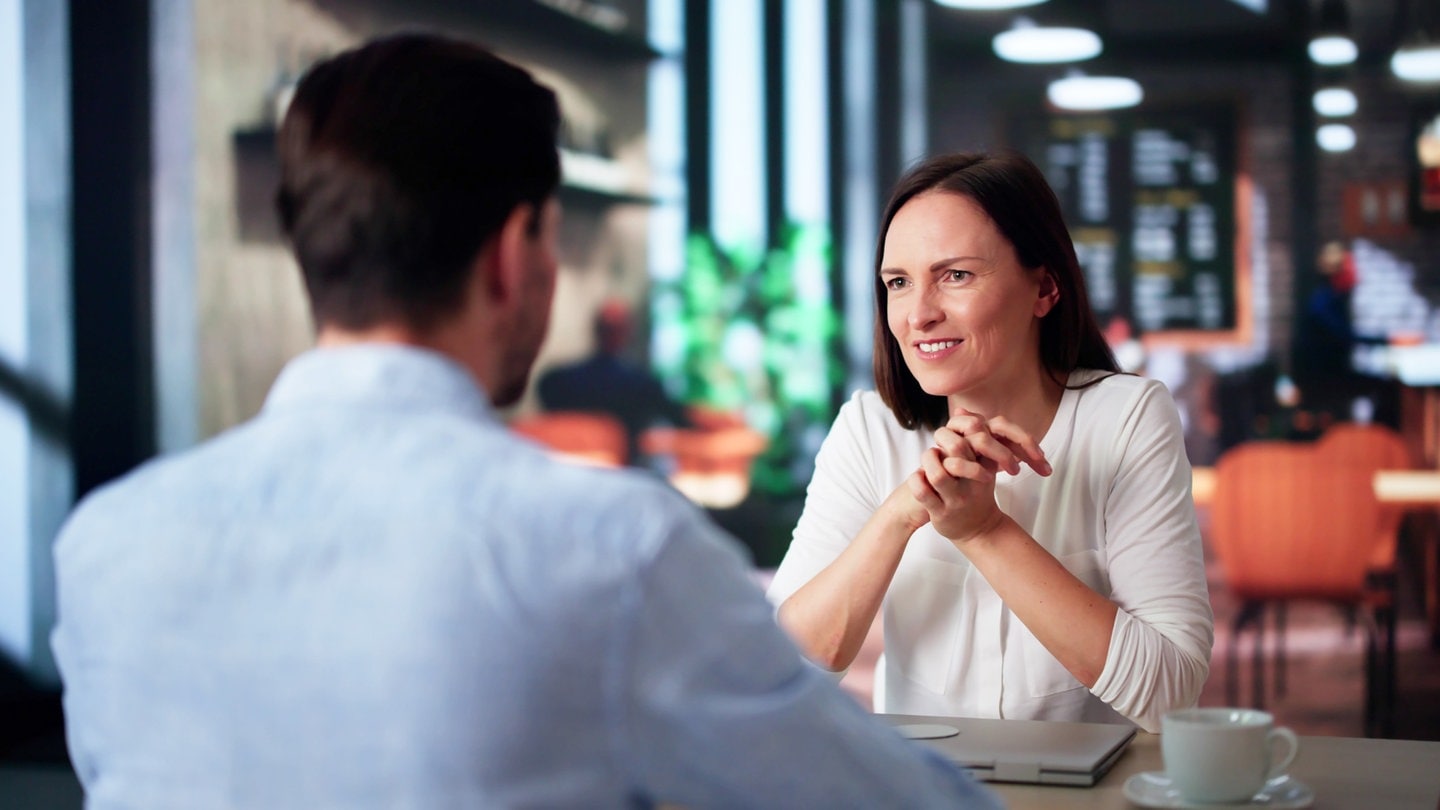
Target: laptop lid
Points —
{"points": [[1029, 751]]}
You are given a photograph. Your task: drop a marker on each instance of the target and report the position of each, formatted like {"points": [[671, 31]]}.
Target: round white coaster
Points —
{"points": [[927, 731]]}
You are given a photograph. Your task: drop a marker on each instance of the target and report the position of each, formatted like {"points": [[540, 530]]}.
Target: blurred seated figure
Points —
{"points": [[582, 436], [711, 462], [607, 382], [1326, 340]]}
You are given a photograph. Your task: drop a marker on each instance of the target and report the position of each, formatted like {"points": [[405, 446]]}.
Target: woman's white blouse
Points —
{"points": [[1117, 512]]}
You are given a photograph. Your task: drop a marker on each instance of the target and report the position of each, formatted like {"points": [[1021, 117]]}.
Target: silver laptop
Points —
{"points": [[1029, 751]]}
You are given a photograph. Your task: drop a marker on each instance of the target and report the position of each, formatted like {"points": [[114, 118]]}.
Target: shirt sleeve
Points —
{"points": [[1160, 646], [717, 708]]}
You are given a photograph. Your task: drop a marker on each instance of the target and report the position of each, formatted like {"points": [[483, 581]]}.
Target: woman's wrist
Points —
{"points": [[989, 532], [903, 514]]}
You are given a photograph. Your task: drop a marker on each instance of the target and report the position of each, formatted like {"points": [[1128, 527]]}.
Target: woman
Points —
{"points": [[1021, 509]]}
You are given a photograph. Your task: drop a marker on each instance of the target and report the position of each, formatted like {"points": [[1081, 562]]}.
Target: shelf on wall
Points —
{"points": [[587, 179], [582, 193], [567, 28], [598, 177]]}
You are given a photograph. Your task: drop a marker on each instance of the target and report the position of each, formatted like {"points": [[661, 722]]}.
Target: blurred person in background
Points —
{"points": [[1325, 342], [1019, 507], [607, 382]]}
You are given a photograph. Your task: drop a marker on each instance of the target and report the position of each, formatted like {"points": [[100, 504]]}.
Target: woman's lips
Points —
{"points": [[935, 349]]}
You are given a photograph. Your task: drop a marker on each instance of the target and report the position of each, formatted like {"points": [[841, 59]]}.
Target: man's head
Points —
{"points": [[402, 162]]}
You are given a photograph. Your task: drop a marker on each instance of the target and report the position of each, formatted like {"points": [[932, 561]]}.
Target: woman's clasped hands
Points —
{"points": [[955, 485]]}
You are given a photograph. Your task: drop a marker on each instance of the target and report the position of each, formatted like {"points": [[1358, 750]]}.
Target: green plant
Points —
{"points": [[755, 332]]}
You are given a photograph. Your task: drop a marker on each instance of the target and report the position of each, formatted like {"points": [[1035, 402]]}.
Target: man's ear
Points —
{"points": [[505, 261], [1049, 294]]}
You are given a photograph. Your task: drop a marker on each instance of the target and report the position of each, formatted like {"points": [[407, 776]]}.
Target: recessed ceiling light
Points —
{"points": [[1034, 44], [988, 5], [1335, 138], [1333, 50], [1330, 42], [1335, 101], [1094, 92]]}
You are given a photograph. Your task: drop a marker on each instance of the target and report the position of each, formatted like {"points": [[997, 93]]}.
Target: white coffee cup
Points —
{"points": [[1224, 755]]}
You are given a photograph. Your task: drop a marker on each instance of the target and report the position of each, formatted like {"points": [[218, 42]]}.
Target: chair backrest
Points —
{"points": [[1371, 447], [584, 436], [1285, 524]]}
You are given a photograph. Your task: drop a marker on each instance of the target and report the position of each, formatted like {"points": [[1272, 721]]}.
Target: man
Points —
{"points": [[373, 594]]}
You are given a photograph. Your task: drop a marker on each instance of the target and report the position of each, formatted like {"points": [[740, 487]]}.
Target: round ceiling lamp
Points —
{"points": [[1087, 93], [1029, 43], [1335, 138], [1331, 44], [1417, 61], [988, 5], [1334, 102], [1333, 50]]}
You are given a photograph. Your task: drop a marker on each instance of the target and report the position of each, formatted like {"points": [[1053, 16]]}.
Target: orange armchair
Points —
{"points": [[1287, 524]]}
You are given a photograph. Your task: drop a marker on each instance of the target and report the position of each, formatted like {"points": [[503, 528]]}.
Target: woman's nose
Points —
{"points": [[925, 311]]}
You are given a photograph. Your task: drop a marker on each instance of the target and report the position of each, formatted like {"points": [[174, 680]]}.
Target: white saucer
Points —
{"points": [[927, 731], [1153, 789]]}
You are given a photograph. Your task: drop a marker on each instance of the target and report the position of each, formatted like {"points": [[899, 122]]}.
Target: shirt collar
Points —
{"points": [[378, 375]]}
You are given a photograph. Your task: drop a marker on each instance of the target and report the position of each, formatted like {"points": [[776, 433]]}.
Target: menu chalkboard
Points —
{"points": [[1149, 196]]}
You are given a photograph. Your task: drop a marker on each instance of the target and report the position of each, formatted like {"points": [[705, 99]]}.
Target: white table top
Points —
{"points": [[1343, 773]]}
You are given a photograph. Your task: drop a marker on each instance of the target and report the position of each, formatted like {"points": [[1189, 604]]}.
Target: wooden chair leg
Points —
{"points": [[1257, 662], [1388, 673], [1279, 650], [1232, 663], [1250, 612], [1372, 685]]}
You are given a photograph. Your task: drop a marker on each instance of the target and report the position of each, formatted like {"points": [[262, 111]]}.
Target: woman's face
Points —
{"points": [[965, 313]]}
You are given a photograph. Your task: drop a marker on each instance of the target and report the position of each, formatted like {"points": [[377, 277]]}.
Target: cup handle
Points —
{"points": [[1292, 743]]}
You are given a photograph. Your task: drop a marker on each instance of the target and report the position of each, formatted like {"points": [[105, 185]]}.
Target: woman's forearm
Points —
{"points": [[830, 615], [1064, 614]]}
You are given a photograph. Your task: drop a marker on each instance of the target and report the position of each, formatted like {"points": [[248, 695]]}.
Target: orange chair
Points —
{"points": [[592, 438], [1372, 447], [1287, 525], [712, 464]]}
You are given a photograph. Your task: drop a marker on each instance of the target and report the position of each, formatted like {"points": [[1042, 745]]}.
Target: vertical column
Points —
{"points": [[36, 476], [177, 408], [738, 214], [855, 174]]}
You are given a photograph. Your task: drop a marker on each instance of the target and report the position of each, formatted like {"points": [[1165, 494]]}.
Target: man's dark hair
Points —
{"points": [[399, 159], [1013, 192]]}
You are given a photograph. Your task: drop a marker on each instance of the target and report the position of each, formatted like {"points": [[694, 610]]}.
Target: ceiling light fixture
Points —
{"points": [[1417, 61], [1036, 44], [988, 5], [1331, 43], [1335, 137], [1080, 92], [1334, 102]]}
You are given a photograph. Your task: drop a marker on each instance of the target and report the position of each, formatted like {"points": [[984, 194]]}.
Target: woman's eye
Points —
{"points": [[958, 275], [896, 283]]}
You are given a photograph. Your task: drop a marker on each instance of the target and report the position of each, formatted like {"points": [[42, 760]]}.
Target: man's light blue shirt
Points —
{"points": [[374, 595]]}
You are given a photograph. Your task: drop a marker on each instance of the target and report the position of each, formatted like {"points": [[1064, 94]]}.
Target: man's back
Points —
{"points": [[353, 592], [374, 595]]}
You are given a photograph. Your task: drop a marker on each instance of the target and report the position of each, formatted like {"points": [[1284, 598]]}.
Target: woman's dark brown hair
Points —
{"points": [[1013, 192]]}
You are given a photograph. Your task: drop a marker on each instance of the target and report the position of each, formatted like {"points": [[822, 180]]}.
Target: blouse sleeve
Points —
{"points": [[842, 495], [1160, 646]]}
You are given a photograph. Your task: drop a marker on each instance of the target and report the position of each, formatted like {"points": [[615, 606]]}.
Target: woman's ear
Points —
{"points": [[1049, 294]]}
